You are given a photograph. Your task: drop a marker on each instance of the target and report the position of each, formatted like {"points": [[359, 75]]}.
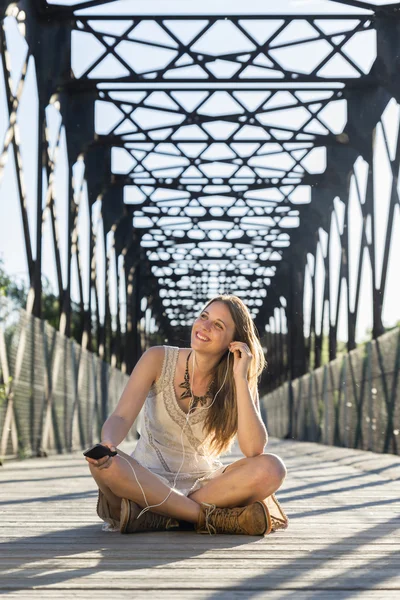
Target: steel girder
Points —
{"points": [[216, 154]]}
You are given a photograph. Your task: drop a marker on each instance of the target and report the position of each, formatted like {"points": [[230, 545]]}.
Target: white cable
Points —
{"points": [[149, 506]]}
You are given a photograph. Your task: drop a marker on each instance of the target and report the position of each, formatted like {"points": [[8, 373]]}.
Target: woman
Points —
{"points": [[196, 400]]}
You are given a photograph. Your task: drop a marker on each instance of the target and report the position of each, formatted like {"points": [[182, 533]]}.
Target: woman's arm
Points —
{"points": [[252, 434], [145, 373]]}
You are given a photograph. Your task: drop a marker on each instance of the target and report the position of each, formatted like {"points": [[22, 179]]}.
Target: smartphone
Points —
{"points": [[98, 451]]}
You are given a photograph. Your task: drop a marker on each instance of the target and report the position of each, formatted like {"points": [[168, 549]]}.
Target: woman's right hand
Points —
{"points": [[106, 461]]}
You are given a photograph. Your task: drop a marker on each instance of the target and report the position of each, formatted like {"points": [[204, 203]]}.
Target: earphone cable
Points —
{"points": [[190, 411]]}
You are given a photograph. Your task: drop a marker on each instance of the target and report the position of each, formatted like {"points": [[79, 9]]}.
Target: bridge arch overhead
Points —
{"points": [[234, 153]]}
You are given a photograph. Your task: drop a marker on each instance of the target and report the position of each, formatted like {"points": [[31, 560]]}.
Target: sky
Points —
{"points": [[11, 238], [218, 6]]}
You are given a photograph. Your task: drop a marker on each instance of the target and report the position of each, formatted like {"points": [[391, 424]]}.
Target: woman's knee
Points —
{"points": [[268, 469], [105, 473]]}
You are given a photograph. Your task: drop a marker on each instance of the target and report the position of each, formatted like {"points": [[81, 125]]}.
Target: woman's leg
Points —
{"points": [[113, 501], [243, 482], [118, 481]]}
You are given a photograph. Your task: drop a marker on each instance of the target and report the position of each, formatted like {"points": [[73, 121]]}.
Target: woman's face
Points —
{"points": [[213, 330]]}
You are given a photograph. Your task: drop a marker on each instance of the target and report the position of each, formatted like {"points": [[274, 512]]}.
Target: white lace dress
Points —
{"points": [[159, 448]]}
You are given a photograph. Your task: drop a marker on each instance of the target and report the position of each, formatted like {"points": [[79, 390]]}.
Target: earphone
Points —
{"points": [[189, 413]]}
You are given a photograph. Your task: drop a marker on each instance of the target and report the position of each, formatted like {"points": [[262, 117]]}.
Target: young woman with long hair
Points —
{"points": [[196, 401]]}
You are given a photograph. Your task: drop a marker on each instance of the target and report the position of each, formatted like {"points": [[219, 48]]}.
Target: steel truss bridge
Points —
{"points": [[228, 153]]}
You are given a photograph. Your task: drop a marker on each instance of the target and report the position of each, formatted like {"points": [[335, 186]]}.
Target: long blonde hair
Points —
{"points": [[221, 421]]}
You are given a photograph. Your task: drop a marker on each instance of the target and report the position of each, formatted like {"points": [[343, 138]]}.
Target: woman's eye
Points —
{"points": [[218, 325]]}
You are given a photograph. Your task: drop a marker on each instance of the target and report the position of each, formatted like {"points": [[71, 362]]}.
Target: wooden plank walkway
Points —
{"points": [[342, 542]]}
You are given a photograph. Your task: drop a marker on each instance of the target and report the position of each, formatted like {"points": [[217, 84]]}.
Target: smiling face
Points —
{"points": [[213, 330]]}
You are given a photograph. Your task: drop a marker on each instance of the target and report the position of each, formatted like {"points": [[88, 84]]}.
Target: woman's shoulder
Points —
{"points": [[159, 351], [163, 360], [162, 350], [155, 351], [159, 355]]}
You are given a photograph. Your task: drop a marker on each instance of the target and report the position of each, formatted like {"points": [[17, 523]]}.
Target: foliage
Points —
{"points": [[14, 294], [3, 392]]}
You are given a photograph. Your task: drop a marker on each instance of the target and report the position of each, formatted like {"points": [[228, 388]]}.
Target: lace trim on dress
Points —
{"points": [[152, 444], [179, 418], [172, 407], [166, 370]]}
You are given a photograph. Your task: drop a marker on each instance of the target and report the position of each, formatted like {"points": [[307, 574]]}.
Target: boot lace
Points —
{"points": [[224, 519], [154, 521]]}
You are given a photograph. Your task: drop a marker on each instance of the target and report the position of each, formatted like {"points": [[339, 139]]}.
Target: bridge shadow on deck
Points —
{"points": [[343, 536], [352, 579], [113, 548]]}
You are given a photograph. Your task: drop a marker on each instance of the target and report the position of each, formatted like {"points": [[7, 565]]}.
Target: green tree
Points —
{"points": [[14, 294]]}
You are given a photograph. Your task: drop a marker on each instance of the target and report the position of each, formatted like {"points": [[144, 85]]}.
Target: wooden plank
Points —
{"points": [[54, 594], [342, 541]]}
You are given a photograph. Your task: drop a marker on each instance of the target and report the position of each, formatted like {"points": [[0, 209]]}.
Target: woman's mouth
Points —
{"points": [[201, 337]]}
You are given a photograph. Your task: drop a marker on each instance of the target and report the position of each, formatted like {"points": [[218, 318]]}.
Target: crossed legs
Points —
{"points": [[243, 482]]}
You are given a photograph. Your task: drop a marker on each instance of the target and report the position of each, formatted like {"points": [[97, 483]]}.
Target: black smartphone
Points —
{"points": [[98, 451]]}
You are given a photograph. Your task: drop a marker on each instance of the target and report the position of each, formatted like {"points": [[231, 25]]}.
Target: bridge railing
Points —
{"points": [[54, 396], [353, 401]]}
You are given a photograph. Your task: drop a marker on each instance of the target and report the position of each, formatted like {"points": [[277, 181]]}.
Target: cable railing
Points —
{"points": [[353, 401], [54, 396]]}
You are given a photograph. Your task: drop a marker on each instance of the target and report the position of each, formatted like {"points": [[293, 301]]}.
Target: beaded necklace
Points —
{"points": [[187, 393]]}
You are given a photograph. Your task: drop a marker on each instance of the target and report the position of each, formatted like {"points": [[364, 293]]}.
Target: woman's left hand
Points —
{"points": [[241, 359]]}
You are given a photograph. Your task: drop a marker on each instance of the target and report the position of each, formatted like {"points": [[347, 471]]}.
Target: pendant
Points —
{"points": [[187, 393]]}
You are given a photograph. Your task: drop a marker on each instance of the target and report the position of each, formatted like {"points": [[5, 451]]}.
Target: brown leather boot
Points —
{"points": [[245, 520], [279, 519], [149, 521], [105, 512]]}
